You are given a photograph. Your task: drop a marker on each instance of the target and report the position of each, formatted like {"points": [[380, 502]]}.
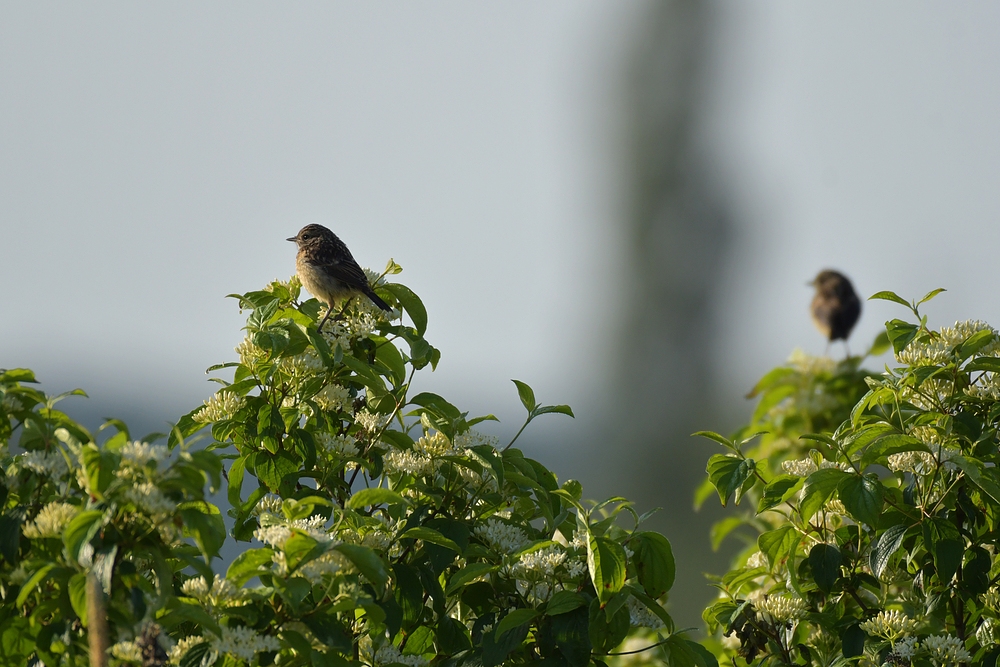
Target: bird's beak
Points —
{"points": [[293, 239]]}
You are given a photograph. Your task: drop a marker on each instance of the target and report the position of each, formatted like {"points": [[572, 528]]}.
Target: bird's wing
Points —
{"points": [[347, 271]]}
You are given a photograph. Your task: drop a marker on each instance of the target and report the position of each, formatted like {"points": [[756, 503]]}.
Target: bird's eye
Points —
{"points": [[305, 236]]}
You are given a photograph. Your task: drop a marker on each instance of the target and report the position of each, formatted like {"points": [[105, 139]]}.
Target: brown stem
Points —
{"points": [[97, 622]]}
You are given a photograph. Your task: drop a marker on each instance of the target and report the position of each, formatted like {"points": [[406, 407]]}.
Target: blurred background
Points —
{"points": [[618, 202]]}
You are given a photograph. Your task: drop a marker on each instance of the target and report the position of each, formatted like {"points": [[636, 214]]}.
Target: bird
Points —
{"points": [[835, 307], [328, 270]]}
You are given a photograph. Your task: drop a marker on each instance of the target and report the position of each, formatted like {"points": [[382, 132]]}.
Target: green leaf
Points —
{"points": [[411, 303], [889, 296], [880, 450], [249, 564], [375, 496], [193, 656], [683, 652], [80, 530], [862, 496], [654, 562], [779, 490], [564, 601], [728, 474], [452, 636], [721, 439], [432, 536], [885, 546], [236, 472], [10, 538], [272, 468], [204, 523], [824, 559], [467, 574], [974, 343], [721, 529], [930, 295], [606, 562], [777, 544], [368, 562], [555, 409], [28, 586], [943, 540], [900, 333], [991, 364], [527, 395], [515, 619], [880, 345], [78, 595], [819, 488]]}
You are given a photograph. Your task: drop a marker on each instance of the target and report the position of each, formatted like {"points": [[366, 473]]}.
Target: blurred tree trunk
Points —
{"points": [[679, 237]]}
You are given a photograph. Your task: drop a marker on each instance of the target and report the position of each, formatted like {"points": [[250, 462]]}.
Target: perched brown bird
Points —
{"points": [[836, 307], [327, 269]]}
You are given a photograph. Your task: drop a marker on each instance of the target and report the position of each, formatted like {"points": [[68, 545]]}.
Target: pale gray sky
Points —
{"points": [[154, 157]]}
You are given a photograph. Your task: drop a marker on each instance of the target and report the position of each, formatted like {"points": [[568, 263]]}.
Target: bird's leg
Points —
{"points": [[826, 352], [343, 308], [329, 311]]}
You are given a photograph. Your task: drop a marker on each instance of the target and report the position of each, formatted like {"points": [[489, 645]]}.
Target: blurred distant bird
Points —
{"points": [[836, 307], [327, 269]]}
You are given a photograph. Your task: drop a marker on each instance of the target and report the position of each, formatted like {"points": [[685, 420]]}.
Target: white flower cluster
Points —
{"points": [[535, 592], [539, 564], [781, 608], [501, 537], [150, 499], [373, 423], [315, 570], [906, 648], [343, 446], [805, 467], [986, 386], [291, 284], [388, 655], [269, 504], [127, 651], [938, 349], [373, 538], [50, 520], [799, 467], [275, 530], [808, 364], [757, 559], [302, 365], [51, 464], [642, 616], [945, 649], [890, 625], [250, 354], [141, 453], [222, 592], [243, 643], [180, 648], [992, 598], [988, 632], [472, 438], [334, 398], [918, 463], [11, 403], [222, 405], [409, 462]]}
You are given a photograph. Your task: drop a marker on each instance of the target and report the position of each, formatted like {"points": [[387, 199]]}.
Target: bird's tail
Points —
{"points": [[377, 301]]}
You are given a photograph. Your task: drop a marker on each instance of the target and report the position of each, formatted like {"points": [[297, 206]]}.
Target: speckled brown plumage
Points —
{"points": [[328, 270], [836, 307]]}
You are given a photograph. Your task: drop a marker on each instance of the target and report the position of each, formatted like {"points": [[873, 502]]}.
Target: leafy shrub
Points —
{"points": [[378, 527], [874, 500]]}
